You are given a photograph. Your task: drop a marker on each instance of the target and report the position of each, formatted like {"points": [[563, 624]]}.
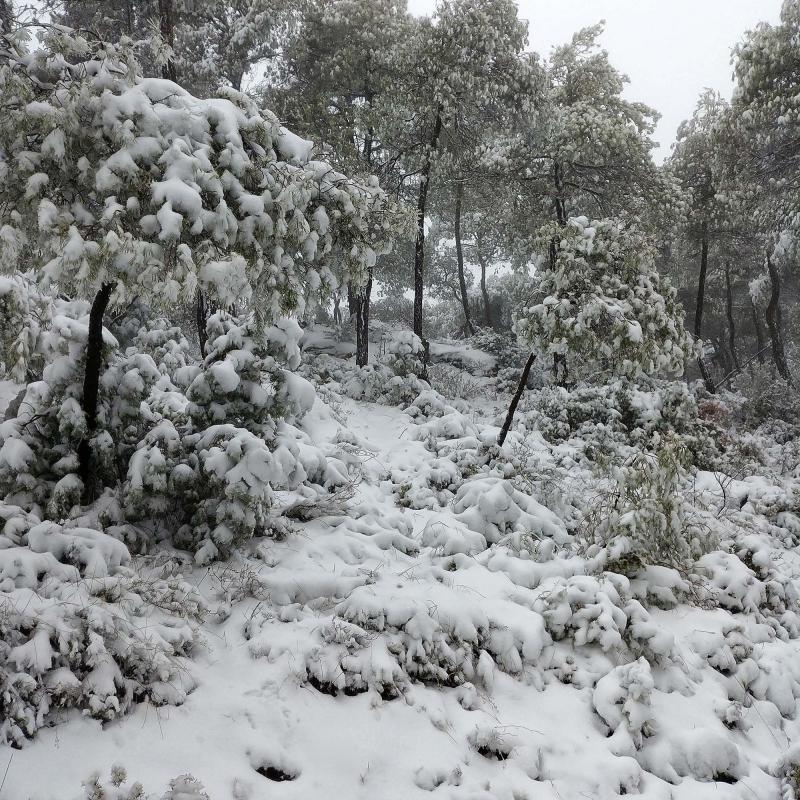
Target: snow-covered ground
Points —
{"points": [[415, 644]]}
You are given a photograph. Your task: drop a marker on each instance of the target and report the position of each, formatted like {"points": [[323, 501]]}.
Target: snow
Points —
{"points": [[459, 649]]}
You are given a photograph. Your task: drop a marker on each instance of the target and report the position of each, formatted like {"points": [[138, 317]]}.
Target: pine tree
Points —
{"points": [[601, 307], [133, 187]]}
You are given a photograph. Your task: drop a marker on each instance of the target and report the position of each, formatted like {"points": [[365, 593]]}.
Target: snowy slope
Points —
{"points": [[418, 645]]}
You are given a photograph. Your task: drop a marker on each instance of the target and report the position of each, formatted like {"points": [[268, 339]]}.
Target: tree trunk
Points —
{"points": [[201, 315], [558, 200], [362, 299], [337, 310], [166, 22], [419, 247], [759, 331], [512, 409], [729, 312], [487, 306], [462, 281], [91, 386], [774, 323], [698, 314]]}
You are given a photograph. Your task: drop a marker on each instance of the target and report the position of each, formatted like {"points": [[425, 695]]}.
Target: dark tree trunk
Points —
{"points": [[166, 23], [487, 306], [201, 315], [91, 385], [698, 314], [362, 298], [774, 323], [759, 331], [462, 281], [337, 310], [419, 247], [729, 312], [559, 200], [512, 409]]}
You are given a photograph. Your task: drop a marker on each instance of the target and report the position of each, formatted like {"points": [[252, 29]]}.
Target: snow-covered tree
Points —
{"points": [[114, 186], [765, 151], [600, 307], [341, 72], [696, 164], [465, 65]]}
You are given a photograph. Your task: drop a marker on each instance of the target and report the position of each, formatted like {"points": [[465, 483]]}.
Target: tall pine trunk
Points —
{"points": [[487, 306], [774, 323], [201, 314], [361, 300], [166, 24], [462, 281], [698, 314], [419, 246], [91, 387], [729, 312]]}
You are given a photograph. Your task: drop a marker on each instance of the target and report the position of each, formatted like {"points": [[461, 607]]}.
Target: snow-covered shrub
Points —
{"points": [[80, 627], [25, 312], [503, 346], [621, 413], [38, 448], [600, 611], [639, 518], [766, 396], [403, 353], [622, 699], [184, 787], [453, 382], [494, 508], [243, 381], [601, 308], [374, 383]]}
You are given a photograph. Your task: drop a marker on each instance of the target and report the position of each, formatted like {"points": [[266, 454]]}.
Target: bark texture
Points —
{"points": [[462, 281], [774, 323], [91, 385], [700, 305], [512, 409], [419, 246]]}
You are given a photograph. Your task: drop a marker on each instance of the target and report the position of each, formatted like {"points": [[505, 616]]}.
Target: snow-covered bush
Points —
{"points": [[392, 380], [453, 382], [502, 345], [25, 312], [184, 787], [639, 518], [403, 353], [622, 413], [601, 307], [175, 195], [622, 699], [766, 396], [80, 627]]}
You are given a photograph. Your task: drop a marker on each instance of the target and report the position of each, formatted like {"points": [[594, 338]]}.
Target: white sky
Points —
{"points": [[670, 49]]}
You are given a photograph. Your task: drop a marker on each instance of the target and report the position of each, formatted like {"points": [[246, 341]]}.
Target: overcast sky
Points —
{"points": [[670, 49]]}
